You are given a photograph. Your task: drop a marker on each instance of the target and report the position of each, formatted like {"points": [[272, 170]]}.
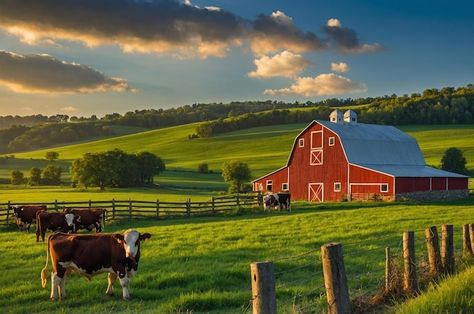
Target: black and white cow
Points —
{"points": [[277, 200]]}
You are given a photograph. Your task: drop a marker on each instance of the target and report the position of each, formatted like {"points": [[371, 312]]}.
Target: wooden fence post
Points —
{"points": [[188, 207], [113, 209], [157, 208], [260, 199], [471, 236], [432, 246], [8, 212], [335, 280], [410, 283], [263, 288], [388, 270], [213, 205], [466, 241], [447, 248], [130, 209], [237, 199]]}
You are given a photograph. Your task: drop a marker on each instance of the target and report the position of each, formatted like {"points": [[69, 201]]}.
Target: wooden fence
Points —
{"points": [[135, 209], [440, 261]]}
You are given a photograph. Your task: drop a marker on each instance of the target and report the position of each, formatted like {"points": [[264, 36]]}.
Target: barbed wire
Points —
{"points": [[308, 278]]}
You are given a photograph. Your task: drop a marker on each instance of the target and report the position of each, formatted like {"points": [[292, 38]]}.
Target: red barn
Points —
{"points": [[342, 159]]}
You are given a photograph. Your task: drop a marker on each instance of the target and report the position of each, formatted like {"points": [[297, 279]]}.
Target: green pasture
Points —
{"points": [[201, 265]]}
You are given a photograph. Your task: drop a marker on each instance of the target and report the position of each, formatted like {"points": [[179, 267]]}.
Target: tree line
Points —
{"points": [[445, 106]]}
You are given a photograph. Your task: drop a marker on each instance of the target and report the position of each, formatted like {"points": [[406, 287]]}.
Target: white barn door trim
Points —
{"points": [[316, 192]]}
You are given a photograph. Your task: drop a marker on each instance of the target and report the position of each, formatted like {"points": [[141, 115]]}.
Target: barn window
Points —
{"points": [[269, 185], [337, 186], [384, 188], [284, 186], [301, 142], [331, 141]]}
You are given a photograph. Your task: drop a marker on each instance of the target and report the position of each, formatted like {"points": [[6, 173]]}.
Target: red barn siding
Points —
{"points": [[458, 183], [278, 179], [406, 185], [438, 184], [368, 181]]}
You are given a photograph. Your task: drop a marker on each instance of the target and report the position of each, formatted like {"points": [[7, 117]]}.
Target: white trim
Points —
{"points": [[348, 179], [431, 184], [267, 183], [381, 190], [333, 141], [447, 184], [288, 178], [311, 163], [322, 190], [394, 186], [371, 183], [287, 186], [340, 187], [301, 142], [322, 140], [372, 170]]}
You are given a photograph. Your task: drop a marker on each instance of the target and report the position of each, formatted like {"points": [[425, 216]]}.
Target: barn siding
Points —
{"points": [[407, 185], [368, 181], [458, 183], [438, 184], [278, 179]]}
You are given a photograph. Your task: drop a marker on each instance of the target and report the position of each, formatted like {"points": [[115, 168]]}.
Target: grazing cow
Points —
{"points": [[90, 254], [54, 222], [25, 214], [280, 200], [88, 218]]}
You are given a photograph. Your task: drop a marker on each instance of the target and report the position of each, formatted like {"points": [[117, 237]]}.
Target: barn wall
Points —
{"points": [[438, 184], [458, 183], [278, 179], [333, 168], [406, 185], [366, 181]]}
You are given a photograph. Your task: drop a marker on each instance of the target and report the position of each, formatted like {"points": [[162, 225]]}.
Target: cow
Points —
{"points": [[280, 200], [91, 254], [54, 222], [88, 218], [25, 214]]}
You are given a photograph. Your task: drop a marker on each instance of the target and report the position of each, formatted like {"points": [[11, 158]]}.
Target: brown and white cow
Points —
{"points": [[88, 218], [25, 214], [53, 221], [91, 254]]}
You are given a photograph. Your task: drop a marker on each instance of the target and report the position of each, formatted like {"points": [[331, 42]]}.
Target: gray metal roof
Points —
{"points": [[413, 171], [377, 144], [384, 148]]}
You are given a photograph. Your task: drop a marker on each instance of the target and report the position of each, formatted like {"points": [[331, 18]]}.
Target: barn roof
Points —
{"points": [[413, 171], [376, 144]]}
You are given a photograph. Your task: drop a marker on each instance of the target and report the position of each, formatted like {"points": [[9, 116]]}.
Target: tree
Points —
{"points": [[149, 165], [51, 156], [35, 176], [235, 173], [17, 177], [203, 168], [453, 160], [52, 175]]}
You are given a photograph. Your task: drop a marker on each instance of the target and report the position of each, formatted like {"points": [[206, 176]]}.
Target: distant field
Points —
{"points": [[201, 265]]}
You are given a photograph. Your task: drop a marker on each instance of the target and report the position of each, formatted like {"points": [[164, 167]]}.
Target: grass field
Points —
{"points": [[202, 264]]}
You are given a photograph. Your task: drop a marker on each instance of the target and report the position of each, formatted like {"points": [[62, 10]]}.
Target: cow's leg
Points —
{"points": [[124, 283], [62, 291], [55, 281], [28, 227], [111, 280], [37, 234]]}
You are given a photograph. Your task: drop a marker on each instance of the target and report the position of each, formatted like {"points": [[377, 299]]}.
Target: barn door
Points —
{"points": [[316, 192]]}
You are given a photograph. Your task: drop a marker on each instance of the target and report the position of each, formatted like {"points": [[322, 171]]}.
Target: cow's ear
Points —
{"points": [[144, 236], [119, 237]]}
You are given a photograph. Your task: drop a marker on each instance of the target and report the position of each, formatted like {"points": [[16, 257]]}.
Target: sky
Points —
{"points": [[83, 57]]}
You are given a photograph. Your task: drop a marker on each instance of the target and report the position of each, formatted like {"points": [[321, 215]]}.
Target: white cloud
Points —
{"points": [[69, 109], [285, 64], [282, 18], [321, 85], [334, 23], [340, 67]]}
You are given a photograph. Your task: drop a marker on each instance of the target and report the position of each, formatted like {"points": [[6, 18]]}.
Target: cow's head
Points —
{"points": [[71, 221], [269, 200], [17, 210], [131, 243]]}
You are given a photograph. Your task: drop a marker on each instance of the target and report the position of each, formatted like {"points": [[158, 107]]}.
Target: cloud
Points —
{"points": [[285, 64], [340, 67], [152, 26], [34, 73], [346, 39], [321, 85], [69, 109]]}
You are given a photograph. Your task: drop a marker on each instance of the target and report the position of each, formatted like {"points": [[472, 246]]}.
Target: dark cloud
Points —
{"points": [[44, 74], [346, 39]]}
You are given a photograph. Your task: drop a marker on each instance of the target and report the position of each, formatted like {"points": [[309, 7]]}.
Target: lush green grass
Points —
{"points": [[454, 295], [202, 264]]}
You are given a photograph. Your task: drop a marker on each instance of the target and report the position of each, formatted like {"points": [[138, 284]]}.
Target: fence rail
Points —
{"points": [[136, 209]]}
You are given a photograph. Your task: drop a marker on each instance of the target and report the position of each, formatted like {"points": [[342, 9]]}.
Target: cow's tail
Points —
{"points": [[44, 271]]}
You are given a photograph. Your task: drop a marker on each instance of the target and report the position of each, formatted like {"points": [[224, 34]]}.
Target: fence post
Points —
{"points": [[260, 199], [466, 241], [213, 205], [447, 248], [8, 212], [188, 207], [432, 246], [237, 199], [335, 280], [471, 236], [388, 270], [113, 209], [263, 288], [90, 203], [130, 209], [409, 276], [157, 208]]}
